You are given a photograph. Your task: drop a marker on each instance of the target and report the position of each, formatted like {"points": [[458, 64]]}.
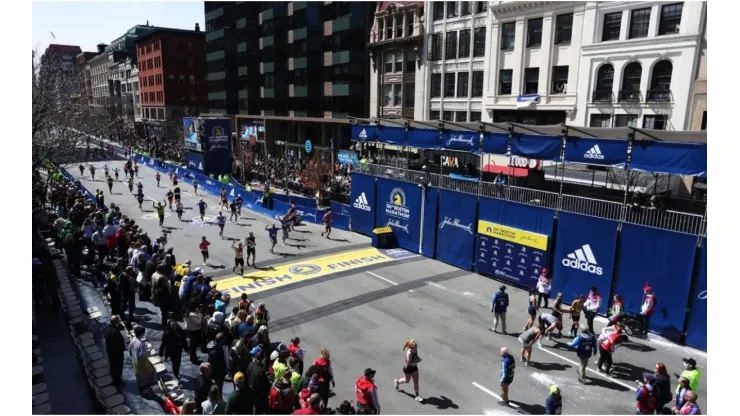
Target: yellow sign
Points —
{"points": [[383, 230], [309, 269], [514, 235]]}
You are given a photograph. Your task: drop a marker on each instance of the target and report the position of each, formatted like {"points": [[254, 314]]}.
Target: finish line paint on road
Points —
{"points": [[310, 269]]}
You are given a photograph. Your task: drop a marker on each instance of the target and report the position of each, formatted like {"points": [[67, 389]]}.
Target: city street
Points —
{"points": [[363, 305]]}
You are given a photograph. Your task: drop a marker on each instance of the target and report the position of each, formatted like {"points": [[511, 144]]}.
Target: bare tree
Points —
{"points": [[646, 182], [315, 172]]}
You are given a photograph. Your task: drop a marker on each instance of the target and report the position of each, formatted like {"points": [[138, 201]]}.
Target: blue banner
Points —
{"points": [[194, 161], [456, 228], [675, 158], [662, 260], [398, 205], [429, 241], [423, 138], [696, 336], [348, 158], [526, 217], [392, 135], [584, 255], [495, 143], [218, 145], [463, 141], [340, 215], [537, 147], [364, 132], [362, 196], [607, 152], [509, 253]]}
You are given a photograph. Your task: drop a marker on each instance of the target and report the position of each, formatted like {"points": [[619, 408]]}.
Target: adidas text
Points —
{"points": [[583, 265], [362, 203]]}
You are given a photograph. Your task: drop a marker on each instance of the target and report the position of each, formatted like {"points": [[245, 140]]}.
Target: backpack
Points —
{"points": [[280, 401]]}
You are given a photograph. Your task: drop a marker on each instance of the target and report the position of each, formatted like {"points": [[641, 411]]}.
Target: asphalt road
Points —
{"points": [[364, 316]]}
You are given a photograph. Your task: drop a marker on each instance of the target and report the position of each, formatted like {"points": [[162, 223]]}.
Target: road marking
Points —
{"points": [[187, 193], [589, 369], [308, 269], [151, 199], [382, 278], [494, 395]]}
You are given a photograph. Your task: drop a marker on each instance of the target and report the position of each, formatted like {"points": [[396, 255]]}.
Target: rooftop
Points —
{"points": [[64, 49]]}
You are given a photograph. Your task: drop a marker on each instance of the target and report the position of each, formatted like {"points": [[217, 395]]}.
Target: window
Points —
{"points": [[381, 23], [151, 80], [191, 63], [151, 96], [387, 95], [534, 32], [149, 63], [436, 85], [172, 78], [625, 120], [504, 81], [612, 26], [434, 115], [480, 7], [143, 82], [388, 62], [449, 84], [462, 84], [447, 116], [156, 46], [531, 80], [182, 79], [190, 46], [461, 116], [704, 120], [157, 62], [438, 12], [410, 62], [660, 84], [560, 79], [399, 62], [409, 94], [563, 29], [192, 80], [475, 116], [464, 8], [670, 19], [464, 50], [479, 42], [436, 46], [388, 27], [192, 96], [397, 94], [508, 36], [477, 84], [399, 26], [269, 80], [451, 45], [639, 23], [605, 80], [631, 83], [600, 120], [451, 9], [410, 24], [658, 122]]}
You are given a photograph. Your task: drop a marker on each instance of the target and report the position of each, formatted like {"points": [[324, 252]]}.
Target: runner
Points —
{"points": [[549, 322], [290, 215], [204, 249], [92, 171], [575, 314], [531, 309], [273, 235], [160, 211], [195, 186], [327, 223], [202, 207], [136, 170], [177, 194], [239, 202], [115, 171], [234, 214], [179, 208], [140, 187], [410, 369], [158, 178], [252, 249], [224, 200], [170, 195], [110, 185], [527, 340], [174, 180], [238, 257], [221, 221], [82, 170], [140, 198], [286, 228], [105, 169]]}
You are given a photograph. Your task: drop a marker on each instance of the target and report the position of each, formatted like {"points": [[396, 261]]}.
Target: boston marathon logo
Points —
{"points": [[456, 223], [458, 138], [305, 269], [396, 207]]}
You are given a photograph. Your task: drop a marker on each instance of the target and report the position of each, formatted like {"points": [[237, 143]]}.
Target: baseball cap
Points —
{"points": [[690, 361], [554, 389], [238, 377], [502, 287], [274, 356], [255, 350]]}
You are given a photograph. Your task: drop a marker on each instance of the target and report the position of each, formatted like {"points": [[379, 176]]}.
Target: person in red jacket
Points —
{"points": [[314, 406], [647, 399], [367, 393], [607, 346], [647, 309], [326, 375]]}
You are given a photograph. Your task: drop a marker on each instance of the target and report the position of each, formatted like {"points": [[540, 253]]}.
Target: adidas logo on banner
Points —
{"points": [[583, 259], [361, 202], [363, 135], [594, 153]]}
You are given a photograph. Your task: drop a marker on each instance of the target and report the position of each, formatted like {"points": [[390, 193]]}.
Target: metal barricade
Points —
{"points": [[593, 207], [667, 220], [445, 182]]}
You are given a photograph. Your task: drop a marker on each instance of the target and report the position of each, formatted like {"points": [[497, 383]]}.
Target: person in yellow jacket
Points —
{"points": [[690, 373]]}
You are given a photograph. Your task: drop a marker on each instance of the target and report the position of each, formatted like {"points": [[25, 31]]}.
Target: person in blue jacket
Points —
{"points": [[586, 347], [508, 365], [498, 306], [554, 402]]}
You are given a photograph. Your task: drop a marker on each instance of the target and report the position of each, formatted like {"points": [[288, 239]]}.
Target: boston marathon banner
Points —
{"points": [[362, 197], [510, 253], [456, 228], [218, 145], [194, 161], [398, 205]]}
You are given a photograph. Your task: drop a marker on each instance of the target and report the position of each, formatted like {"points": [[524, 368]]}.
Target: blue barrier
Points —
{"points": [[456, 228], [663, 260], [362, 197], [584, 255], [341, 214], [696, 336], [526, 217], [398, 205], [429, 242], [194, 161]]}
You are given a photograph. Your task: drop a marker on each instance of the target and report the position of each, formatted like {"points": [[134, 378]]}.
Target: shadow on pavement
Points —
{"points": [[529, 409], [550, 366], [627, 371], [601, 382], [634, 346]]}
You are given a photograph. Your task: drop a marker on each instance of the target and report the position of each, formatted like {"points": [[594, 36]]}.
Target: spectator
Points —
{"points": [[115, 346], [214, 405], [173, 344], [203, 385], [554, 402], [218, 357], [240, 401]]}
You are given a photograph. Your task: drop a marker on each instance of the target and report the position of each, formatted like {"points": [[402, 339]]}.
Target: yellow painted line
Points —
{"points": [[511, 234], [309, 269]]}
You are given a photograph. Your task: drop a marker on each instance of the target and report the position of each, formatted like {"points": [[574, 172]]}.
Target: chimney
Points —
{"points": [[147, 23], [197, 27], [101, 47]]}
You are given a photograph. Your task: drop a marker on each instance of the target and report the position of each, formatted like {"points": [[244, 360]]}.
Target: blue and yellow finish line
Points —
{"points": [[310, 269]]}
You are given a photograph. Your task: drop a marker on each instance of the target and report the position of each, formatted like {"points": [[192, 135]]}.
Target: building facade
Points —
{"points": [[98, 69], [396, 67], [533, 61], [638, 64], [125, 77], [82, 60], [456, 64], [171, 76], [699, 101]]}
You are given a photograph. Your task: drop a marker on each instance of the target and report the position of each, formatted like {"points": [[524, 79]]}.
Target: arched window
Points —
{"points": [[604, 84], [660, 83], [630, 91]]}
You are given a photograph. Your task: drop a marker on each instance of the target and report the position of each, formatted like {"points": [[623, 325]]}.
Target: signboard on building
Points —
{"points": [[191, 126]]}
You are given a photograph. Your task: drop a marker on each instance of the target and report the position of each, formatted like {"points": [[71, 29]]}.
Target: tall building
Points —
{"points": [[82, 61], [534, 55], [454, 79], [699, 101], [125, 78], [396, 67], [171, 73], [638, 63], [98, 69]]}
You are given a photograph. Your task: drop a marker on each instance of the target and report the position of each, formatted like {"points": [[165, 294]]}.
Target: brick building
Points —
{"points": [[171, 73], [82, 61]]}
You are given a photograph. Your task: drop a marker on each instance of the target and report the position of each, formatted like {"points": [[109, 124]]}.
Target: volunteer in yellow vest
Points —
{"points": [[261, 315], [249, 187], [616, 313], [690, 373]]}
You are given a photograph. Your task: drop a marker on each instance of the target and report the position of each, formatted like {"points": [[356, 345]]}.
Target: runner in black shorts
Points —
{"points": [[251, 249], [204, 249], [177, 194], [238, 257], [327, 223]]}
